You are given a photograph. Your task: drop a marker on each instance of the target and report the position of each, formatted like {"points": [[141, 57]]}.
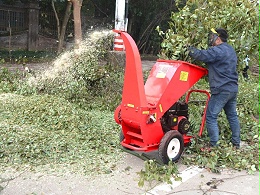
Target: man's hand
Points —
{"points": [[191, 50]]}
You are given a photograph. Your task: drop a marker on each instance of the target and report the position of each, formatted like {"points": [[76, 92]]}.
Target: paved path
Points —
{"points": [[124, 181]]}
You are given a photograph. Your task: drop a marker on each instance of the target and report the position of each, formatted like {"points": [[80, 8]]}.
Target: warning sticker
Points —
{"points": [[162, 71], [184, 76], [161, 109], [145, 112], [131, 105]]}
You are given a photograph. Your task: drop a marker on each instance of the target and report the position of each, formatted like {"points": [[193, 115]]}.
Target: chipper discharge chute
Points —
{"points": [[151, 115]]}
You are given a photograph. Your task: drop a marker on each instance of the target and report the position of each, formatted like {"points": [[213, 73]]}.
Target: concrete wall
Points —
{"points": [[20, 42]]}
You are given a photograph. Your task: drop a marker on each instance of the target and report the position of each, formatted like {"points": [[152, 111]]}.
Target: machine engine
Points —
{"points": [[176, 118]]}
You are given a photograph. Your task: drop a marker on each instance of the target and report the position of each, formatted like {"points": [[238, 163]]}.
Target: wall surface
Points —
{"points": [[19, 42]]}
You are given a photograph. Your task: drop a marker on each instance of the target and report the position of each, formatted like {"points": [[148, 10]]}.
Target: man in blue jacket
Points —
{"points": [[221, 60]]}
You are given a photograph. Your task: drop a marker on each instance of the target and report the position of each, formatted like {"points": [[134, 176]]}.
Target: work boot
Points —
{"points": [[207, 147], [236, 146]]}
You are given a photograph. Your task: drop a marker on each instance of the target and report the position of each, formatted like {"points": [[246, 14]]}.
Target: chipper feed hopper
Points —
{"points": [[151, 115]]}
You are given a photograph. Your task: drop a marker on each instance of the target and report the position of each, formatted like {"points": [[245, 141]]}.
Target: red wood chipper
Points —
{"points": [[151, 115]]}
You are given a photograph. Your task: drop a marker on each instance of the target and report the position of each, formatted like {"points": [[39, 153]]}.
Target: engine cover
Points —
{"points": [[183, 126], [176, 118]]}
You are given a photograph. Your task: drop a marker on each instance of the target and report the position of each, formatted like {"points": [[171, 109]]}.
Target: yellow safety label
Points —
{"points": [[145, 112], [160, 106], [184, 76], [131, 105], [160, 75], [163, 69]]}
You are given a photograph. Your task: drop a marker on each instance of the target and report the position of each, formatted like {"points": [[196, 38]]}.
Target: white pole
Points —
{"points": [[120, 15], [126, 15], [119, 24]]}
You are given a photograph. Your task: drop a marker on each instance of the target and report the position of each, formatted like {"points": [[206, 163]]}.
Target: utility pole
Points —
{"points": [[121, 22], [120, 15]]}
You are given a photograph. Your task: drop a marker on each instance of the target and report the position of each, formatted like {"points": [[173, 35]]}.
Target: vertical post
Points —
{"points": [[126, 14], [119, 24], [33, 22], [120, 15]]}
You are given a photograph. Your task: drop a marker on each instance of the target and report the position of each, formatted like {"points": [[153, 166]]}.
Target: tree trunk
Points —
{"points": [[64, 26], [57, 18], [77, 22]]}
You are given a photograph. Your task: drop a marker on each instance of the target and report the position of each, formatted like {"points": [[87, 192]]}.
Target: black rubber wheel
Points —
{"points": [[171, 146]]}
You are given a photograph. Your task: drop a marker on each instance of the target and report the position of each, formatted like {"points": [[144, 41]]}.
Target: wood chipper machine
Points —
{"points": [[151, 115]]}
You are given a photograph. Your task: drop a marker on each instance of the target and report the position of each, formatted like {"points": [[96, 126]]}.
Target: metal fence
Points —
{"points": [[15, 21], [12, 20], [48, 24]]}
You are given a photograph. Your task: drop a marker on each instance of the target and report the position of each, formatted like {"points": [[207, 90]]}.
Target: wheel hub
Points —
{"points": [[173, 148]]}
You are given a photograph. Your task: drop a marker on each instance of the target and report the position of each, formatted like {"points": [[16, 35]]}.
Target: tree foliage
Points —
{"points": [[143, 17], [185, 24], [192, 23]]}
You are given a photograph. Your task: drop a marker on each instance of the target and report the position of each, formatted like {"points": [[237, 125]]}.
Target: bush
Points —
{"points": [[192, 23]]}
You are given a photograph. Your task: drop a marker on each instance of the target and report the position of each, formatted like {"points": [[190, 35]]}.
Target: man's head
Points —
{"points": [[217, 36]]}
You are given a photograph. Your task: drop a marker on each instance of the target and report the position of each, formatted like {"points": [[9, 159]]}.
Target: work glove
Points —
{"points": [[191, 50]]}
